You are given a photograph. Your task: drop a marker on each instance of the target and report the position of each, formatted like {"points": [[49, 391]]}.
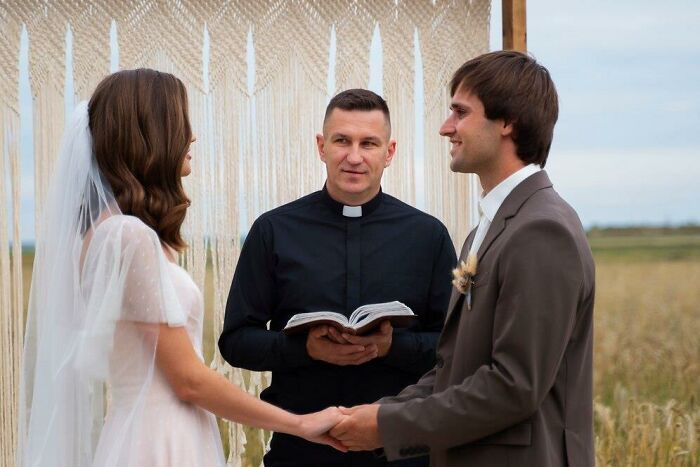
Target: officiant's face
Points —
{"points": [[475, 140], [356, 148]]}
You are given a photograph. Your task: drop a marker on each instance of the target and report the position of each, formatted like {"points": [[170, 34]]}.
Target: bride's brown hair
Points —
{"points": [[141, 133]]}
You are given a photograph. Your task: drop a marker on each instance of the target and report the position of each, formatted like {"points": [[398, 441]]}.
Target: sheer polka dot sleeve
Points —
{"points": [[146, 290]]}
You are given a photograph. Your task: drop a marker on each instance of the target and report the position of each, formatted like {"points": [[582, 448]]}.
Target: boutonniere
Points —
{"points": [[463, 278]]}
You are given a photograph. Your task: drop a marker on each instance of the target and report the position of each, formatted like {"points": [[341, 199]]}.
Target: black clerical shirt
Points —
{"points": [[307, 256]]}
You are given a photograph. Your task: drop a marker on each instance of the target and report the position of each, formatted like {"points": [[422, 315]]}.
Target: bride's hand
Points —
{"points": [[315, 427]]}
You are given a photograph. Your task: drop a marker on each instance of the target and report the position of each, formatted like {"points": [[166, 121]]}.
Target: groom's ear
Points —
{"points": [[319, 144]]}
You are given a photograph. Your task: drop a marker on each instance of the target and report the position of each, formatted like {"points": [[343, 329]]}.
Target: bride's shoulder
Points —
{"points": [[127, 229], [123, 239]]}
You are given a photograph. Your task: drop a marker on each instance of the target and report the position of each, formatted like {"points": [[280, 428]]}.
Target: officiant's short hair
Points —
{"points": [[512, 86], [358, 99]]}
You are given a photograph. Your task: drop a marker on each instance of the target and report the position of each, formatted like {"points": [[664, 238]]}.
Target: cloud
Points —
{"points": [[627, 72], [623, 26], [652, 186]]}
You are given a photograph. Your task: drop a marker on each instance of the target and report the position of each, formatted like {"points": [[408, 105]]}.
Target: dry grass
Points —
{"points": [[646, 368], [647, 352]]}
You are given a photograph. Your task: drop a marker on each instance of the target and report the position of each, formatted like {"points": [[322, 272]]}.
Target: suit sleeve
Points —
{"points": [[412, 350], [540, 276], [245, 341], [423, 388]]}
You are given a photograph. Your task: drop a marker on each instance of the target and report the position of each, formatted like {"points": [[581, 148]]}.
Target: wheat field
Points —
{"points": [[646, 349]]}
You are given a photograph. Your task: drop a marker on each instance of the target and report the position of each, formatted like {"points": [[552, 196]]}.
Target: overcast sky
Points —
{"points": [[627, 145]]}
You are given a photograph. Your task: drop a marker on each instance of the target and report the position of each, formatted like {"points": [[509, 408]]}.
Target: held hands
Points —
{"points": [[315, 427], [353, 429], [358, 431], [325, 343]]}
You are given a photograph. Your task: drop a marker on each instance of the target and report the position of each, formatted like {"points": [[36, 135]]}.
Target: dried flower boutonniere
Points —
{"points": [[463, 278]]}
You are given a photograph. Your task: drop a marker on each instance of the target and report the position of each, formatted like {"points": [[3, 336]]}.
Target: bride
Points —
{"points": [[110, 308]]}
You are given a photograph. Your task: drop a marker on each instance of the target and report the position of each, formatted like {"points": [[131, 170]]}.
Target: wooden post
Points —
{"points": [[514, 25]]}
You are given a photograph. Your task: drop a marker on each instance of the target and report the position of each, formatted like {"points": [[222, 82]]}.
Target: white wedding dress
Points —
{"points": [[91, 393], [146, 424]]}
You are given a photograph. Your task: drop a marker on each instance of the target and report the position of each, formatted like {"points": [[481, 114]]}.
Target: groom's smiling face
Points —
{"points": [[475, 140]]}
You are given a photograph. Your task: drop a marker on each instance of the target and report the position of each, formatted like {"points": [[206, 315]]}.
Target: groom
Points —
{"points": [[512, 383]]}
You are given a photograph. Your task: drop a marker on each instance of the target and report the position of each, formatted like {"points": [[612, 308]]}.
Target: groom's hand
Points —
{"points": [[319, 346], [358, 431]]}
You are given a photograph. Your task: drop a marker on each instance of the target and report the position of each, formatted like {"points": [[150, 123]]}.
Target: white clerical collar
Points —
{"points": [[490, 203], [352, 211]]}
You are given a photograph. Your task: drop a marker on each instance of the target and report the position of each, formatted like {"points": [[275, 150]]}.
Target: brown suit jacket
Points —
{"points": [[513, 381]]}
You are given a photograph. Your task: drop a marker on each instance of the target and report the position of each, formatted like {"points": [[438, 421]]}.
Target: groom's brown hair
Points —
{"points": [[513, 87], [141, 134]]}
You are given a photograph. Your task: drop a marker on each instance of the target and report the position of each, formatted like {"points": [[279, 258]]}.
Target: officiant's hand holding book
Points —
{"points": [[362, 321]]}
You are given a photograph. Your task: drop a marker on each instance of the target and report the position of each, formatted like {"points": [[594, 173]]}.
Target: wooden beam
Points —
{"points": [[514, 25]]}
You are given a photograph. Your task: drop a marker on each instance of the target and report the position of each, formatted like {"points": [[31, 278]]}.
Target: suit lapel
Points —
{"points": [[455, 301], [495, 229], [510, 207]]}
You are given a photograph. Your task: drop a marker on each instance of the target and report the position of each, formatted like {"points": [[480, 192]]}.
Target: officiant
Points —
{"points": [[347, 245]]}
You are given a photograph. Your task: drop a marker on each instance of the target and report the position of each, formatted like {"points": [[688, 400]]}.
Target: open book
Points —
{"points": [[363, 320]]}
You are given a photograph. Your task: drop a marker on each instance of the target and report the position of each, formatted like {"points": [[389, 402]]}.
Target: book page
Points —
{"points": [[303, 318], [364, 312]]}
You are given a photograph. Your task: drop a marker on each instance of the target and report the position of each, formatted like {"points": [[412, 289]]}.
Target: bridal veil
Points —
{"points": [[100, 279]]}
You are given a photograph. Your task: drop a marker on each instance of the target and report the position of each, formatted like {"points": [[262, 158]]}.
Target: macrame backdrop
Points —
{"points": [[255, 122], [11, 290]]}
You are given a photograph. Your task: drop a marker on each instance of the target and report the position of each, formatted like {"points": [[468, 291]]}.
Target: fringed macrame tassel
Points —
{"points": [[49, 121], [449, 33], [399, 178], [227, 110], [447, 194], [194, 258], [11, 287], [6, 312], [397, 27], [289, 114]]}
